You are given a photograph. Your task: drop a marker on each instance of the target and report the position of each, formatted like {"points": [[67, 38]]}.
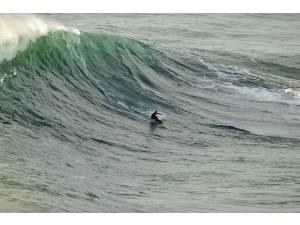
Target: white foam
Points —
{"points": [[264, 95], [163, 116], [16, 30], [11, 73], [290, 91], [123, 104], [221, 75]]}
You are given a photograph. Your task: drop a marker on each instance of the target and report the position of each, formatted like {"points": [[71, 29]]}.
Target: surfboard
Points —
{"points": [[156, 122]]}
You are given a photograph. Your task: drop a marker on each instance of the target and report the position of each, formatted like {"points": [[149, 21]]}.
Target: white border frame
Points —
{"points": [[150, 6]]}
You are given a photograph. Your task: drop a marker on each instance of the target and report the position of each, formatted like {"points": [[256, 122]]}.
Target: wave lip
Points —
{"points": [[17, 30]]}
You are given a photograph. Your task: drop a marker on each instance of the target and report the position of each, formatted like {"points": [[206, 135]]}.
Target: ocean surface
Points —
{"points": [[77, 92]]}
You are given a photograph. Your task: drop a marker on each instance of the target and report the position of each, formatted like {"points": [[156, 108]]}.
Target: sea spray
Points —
{"points": [[75, 133], [17, 30]]}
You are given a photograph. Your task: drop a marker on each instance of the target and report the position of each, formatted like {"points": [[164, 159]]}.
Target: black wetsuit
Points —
{"points": [[154, 117]]}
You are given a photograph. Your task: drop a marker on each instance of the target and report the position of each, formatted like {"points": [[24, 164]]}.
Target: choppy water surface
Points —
{"points": [[76, 92]]}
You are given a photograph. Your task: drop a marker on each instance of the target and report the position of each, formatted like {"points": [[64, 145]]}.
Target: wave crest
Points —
{"points": [[17, 30]]}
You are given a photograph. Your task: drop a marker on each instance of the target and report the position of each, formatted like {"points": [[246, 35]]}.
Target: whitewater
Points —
{"points": [[77, 92]]}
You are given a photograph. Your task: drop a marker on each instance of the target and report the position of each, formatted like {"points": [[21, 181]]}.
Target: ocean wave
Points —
{"points": [[62, 72], [16, 31], [105, 70]]}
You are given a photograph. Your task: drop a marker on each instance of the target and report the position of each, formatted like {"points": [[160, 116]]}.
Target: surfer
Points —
{"points": [[154, 117]]}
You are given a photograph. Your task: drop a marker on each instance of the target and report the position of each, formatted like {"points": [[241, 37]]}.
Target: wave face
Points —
{"points": [[75, 133], [103, 70]]}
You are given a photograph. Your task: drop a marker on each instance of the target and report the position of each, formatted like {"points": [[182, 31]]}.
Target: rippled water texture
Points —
{"points": [[77, 92]]}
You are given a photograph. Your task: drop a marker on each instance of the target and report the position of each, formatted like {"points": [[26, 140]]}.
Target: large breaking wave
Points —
{"points": [[58, 72], [75, 133]]}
